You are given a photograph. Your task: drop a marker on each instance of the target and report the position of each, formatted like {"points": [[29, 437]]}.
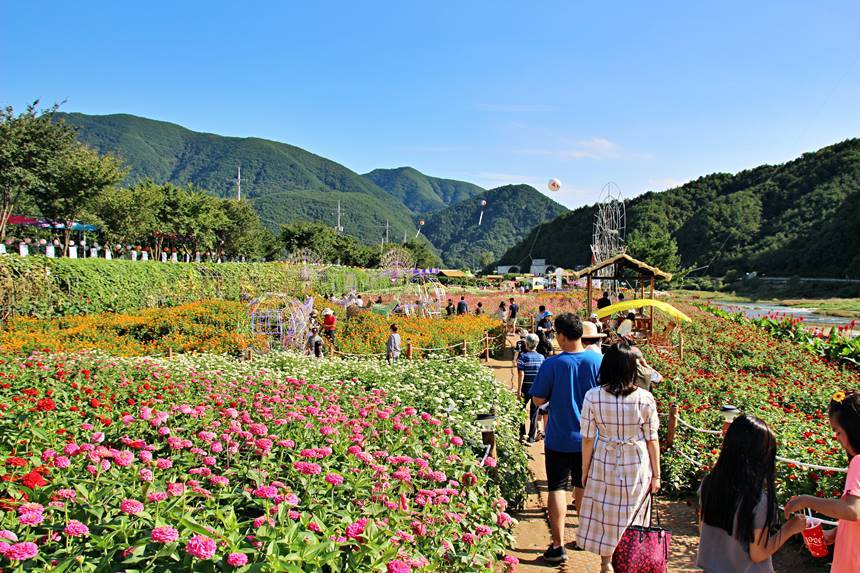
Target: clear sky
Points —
{"points": [[646, 94]]}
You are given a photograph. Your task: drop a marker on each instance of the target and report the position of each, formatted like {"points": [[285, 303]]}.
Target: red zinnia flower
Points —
{"points": [[16, 462], [45, 405], [34, 480]]}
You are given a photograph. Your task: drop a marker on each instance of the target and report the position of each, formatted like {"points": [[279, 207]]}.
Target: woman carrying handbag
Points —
{"points": [[620, 458]]}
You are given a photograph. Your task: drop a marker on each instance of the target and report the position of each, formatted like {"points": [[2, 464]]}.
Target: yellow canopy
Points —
{"points": [[628, 304]]}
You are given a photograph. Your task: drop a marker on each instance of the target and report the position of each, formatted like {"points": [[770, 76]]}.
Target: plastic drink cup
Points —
{"points": [[813, 538]]}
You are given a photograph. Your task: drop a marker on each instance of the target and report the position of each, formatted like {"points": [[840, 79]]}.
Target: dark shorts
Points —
{"points": [[560, 466]]}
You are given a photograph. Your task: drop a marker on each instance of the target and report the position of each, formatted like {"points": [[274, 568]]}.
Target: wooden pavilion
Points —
{"points": [[623, 267]]}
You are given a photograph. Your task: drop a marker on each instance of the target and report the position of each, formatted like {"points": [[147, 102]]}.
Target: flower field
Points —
{"points": [[281, 464], [214, 326], [777, 380], [367, 333]]}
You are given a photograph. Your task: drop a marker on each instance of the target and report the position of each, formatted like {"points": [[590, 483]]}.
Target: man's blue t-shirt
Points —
{"points": [[563, 380]]}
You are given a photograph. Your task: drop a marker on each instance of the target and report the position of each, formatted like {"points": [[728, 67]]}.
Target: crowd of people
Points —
{"points": [[593, 399]]}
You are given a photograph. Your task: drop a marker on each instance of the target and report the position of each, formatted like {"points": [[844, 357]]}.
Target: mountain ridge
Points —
{"points": [[795, 218]]}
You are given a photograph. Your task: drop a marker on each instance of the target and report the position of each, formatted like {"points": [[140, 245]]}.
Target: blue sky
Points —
{"points": [[646, 94]]}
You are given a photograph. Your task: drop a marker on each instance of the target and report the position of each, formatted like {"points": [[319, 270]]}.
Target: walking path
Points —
{"points": [[532, 531]]}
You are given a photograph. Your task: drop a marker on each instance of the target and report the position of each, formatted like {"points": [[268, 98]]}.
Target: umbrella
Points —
{"points": [[628, 304]]}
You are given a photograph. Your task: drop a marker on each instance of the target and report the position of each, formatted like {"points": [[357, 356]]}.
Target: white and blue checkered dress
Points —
{"points": [[620, 472]]}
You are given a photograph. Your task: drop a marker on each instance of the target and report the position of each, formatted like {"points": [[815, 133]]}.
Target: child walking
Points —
{"points": [[738, 503], [844, 413]]}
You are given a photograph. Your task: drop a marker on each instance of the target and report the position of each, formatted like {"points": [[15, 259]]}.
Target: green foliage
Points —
{"points": [[336, 247], [656, 246], [798, 218], [30, 144], [285, 183], [510, 213], [75, 177], [422, 193], [42, 287]]}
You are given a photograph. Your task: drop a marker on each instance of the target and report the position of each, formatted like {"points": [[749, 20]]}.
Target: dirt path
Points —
{"points": [[532, 531]]}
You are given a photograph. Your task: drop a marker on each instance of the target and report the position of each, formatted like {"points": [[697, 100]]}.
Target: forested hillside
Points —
{"points": [[422, 193], [798, 218], [284, 182], [510, 213]]}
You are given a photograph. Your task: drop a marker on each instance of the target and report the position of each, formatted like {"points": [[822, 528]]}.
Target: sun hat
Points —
{"points": [[327, 311], [589, 330]]}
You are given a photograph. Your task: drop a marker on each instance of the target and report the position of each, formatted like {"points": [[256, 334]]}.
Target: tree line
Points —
{"points": [[45, 172]]}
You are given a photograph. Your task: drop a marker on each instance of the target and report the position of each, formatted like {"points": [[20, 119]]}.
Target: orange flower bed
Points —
{"points": [[213, 326], [367, 333]]}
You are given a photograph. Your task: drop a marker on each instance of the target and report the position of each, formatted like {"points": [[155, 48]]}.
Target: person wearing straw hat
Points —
{"points": [[329, 324], [592, 338]]}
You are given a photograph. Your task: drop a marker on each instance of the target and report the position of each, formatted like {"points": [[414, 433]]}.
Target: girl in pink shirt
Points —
{"points": [[844, 411]]}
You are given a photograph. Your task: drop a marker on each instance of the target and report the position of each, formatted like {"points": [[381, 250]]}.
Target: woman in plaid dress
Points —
{"points": [[620, 454]]}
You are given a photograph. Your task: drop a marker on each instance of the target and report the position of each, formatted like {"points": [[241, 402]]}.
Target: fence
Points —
{"points": [[675, 420]]}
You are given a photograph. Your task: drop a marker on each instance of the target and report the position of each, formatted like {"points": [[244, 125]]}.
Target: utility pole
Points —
{"points": [[386, 231], [239, 184], [339, 229]]}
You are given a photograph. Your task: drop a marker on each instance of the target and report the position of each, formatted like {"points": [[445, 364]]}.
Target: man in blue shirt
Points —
{"points": [[562, 381], [513, 314], [462, 307]]}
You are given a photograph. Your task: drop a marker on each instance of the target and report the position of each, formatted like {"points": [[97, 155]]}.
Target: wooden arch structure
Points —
{"points": [[613, 268]]}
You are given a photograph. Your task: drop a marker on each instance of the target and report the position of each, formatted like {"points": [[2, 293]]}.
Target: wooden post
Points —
{"points": [[409, 351], [651, 328], [489, 439], [588, 295], [487, 346], [670, 428], [465, 349], [249, 354], [170, 352], [681, 343]]}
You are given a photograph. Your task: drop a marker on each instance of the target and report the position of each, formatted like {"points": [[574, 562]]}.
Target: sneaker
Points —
{"points": [[555, 554]]}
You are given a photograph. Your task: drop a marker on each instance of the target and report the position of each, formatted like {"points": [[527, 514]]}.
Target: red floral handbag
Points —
{"points": [[643, 549]]}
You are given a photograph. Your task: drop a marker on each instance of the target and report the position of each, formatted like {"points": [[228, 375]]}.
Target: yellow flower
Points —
{"points": [[839, 396]]}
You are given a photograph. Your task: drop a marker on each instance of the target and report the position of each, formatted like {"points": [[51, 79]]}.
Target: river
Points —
{"points": [[810, 316]]}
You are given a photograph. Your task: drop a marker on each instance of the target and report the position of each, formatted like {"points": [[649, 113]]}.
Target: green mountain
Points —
{"points": [[511, 212], [798, 218], [422, 193], [284, 182]]}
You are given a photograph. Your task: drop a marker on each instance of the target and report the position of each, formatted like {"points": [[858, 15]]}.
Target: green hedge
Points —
{"points": [[43, 287]]}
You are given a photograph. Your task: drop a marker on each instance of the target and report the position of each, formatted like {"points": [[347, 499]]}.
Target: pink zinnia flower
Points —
{"points": [[266, 492], [31, 518], [62, 462], [175, 489], [237, 559], [75, 528], [398, 566], [21, 551], [8, 535], [201, 546], [334, 479], [164, 534], [131, 506]]}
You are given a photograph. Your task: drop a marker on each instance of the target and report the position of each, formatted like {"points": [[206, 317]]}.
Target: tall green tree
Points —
{"points": [[74, 178], [243, 235], [128, 214], [29, 143], [656, 246]]}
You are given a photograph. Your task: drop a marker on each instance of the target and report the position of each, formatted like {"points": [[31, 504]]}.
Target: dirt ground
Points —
{"points": [[533, 534]]}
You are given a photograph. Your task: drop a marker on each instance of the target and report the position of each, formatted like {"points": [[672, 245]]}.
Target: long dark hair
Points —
{"points": [[846, 412], [745, 469], [618, 370]]}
